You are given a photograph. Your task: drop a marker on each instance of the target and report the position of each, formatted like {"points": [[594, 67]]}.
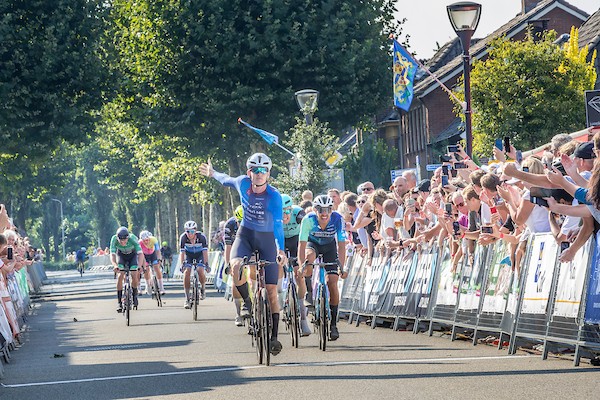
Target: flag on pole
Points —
{"points": [[267, 136], [405, 68]]}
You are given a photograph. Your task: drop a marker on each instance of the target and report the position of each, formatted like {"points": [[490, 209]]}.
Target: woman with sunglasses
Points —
{"points": [[261, 229]]}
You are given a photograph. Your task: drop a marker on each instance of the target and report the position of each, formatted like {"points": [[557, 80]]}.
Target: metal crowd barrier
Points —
{"points": [[549, 301]]}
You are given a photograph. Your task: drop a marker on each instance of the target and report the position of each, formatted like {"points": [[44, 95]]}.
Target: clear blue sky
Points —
{"points": [[427, 20]]}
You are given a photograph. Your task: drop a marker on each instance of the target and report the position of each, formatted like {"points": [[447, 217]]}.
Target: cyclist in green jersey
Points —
{"points": [[126, 250]]}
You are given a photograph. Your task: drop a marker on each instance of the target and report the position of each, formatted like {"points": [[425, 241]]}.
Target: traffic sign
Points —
{"points": [[432, 167]]}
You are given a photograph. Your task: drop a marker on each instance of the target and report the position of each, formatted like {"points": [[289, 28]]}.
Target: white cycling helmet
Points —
{"points": [[323, 201], [145, 235], [259, 160], [190, 225]]}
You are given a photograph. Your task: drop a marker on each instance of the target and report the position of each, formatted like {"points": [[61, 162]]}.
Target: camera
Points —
{"points": [[9, 253], [448, 208], [456, 227], [445, 158], [564, 246], [460, 165], [444, 180]]}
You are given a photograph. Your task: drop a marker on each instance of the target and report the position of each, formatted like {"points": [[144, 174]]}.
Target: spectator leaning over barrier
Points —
{"points": [[351, 201], [370, 217]]}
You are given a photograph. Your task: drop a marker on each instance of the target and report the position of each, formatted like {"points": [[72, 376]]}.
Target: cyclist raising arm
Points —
{"points": [[192, 246], [125, 250], [319, 232], [261, 229]]}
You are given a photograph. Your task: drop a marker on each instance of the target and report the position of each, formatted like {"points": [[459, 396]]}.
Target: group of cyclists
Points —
{"points": [[267, 222]]}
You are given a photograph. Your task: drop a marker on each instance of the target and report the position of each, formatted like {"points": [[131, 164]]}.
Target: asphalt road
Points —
{"points": [[165, 354]]}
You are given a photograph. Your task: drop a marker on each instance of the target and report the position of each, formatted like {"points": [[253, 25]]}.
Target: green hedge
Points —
{"points": [[59, 265]]}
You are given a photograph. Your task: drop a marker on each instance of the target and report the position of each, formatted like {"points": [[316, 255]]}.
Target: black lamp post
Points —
{"points": [[464, 17], [307, 100]]}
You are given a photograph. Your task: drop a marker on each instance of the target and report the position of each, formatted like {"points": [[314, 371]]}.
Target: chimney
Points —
{"points": [[528, 5]]}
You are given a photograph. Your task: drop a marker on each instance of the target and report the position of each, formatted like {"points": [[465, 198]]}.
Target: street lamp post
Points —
{"points": [[62, 227], [464, 17], [307, 100]]}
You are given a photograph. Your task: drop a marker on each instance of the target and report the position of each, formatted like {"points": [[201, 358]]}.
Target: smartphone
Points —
{"points": [[498, 144], [444, 180], [9, 253], [444, 170], [525, 169], [564, 246], [460, 165], [448, 208], [452, 148], [456, 227], [507, 143], [519, 156], [539, 201], [444, 158], [411, 202], [540, 192], [453, 173], [487, 229]]}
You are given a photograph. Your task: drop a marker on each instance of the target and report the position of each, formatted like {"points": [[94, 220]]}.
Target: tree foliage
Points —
{"points": [[529, 90]]}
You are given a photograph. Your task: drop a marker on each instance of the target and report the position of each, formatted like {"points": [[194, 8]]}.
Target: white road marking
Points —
{"points": [[224, 369]]}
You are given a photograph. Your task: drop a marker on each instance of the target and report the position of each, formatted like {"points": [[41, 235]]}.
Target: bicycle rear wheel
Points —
{"points": [[157, 291], [195, 296], [294, 315], [323, 320], [266, 325]]}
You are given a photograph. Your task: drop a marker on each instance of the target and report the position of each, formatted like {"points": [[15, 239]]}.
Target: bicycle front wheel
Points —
{"points": [[323, 320], [157, 291], [294, 315], [195, 296], [128, 303], [266, 325], [257, 328]]}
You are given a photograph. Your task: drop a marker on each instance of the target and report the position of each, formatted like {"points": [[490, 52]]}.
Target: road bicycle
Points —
{"points": [[80, 267], [166, 264], [127, 299], [291, 308], [195, 283], [321, 312], [260, 319], [155, 287]]}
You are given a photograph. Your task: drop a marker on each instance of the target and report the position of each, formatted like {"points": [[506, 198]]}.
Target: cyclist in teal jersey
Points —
{"points": [[322, 232], [126, 250], [292, 217]]}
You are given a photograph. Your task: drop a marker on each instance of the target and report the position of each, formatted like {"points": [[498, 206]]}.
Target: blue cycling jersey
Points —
{"points": [[311, 231], [263, 212]]}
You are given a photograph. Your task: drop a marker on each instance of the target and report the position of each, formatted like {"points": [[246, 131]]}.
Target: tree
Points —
{"points": [[529, 90], [359, 164], [313, 143]]}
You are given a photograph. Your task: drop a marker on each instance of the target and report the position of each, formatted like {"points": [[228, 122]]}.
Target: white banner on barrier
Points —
{"points": [[570, 283], [470, 293], [539, 275], [446, 294], [498, 283]]}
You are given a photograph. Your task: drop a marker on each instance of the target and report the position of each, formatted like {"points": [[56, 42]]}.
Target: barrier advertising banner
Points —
{"points": [[571, 278], [539, 274], [592, 311], [446, 293], [472, 278], [498, 282]]}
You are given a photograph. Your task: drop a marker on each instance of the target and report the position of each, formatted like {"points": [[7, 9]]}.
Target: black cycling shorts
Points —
{"points": [[329, 252], [129, 259], [248, 240]]}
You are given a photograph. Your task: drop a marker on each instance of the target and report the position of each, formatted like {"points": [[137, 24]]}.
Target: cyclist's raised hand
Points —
{"points": [[206, 168]]}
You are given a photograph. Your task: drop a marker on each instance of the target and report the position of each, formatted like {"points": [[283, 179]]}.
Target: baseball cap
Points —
{"points": [[424, 185], [585, 151]]}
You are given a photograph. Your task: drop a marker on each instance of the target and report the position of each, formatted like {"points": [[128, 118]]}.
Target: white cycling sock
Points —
{"points": [[238, 305]]}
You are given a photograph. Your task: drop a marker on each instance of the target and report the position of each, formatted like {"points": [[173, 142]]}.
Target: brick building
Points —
{"points": [[431, 122]]}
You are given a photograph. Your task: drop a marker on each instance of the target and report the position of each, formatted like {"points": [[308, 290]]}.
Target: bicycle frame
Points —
{"points": [[322, 312], [291, 308]]}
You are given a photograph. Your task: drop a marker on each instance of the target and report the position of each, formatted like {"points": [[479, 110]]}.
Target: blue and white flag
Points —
{"points": [[405, 68], [267, 136]]}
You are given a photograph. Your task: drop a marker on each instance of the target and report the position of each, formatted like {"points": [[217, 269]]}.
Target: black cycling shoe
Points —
{"points": [[120, 308], [275, 346], [333, 333]]}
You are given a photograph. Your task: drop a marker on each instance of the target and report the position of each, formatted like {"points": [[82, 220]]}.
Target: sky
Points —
{"points": [[427, 20]]}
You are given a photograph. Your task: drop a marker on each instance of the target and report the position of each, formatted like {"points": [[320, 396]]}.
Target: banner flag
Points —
{"points": [[405, 68], [267, 136]]}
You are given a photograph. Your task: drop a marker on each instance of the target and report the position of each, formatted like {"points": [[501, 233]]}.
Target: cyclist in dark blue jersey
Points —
{"points": [[193, 247], [322, 232], [261, 229]]}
